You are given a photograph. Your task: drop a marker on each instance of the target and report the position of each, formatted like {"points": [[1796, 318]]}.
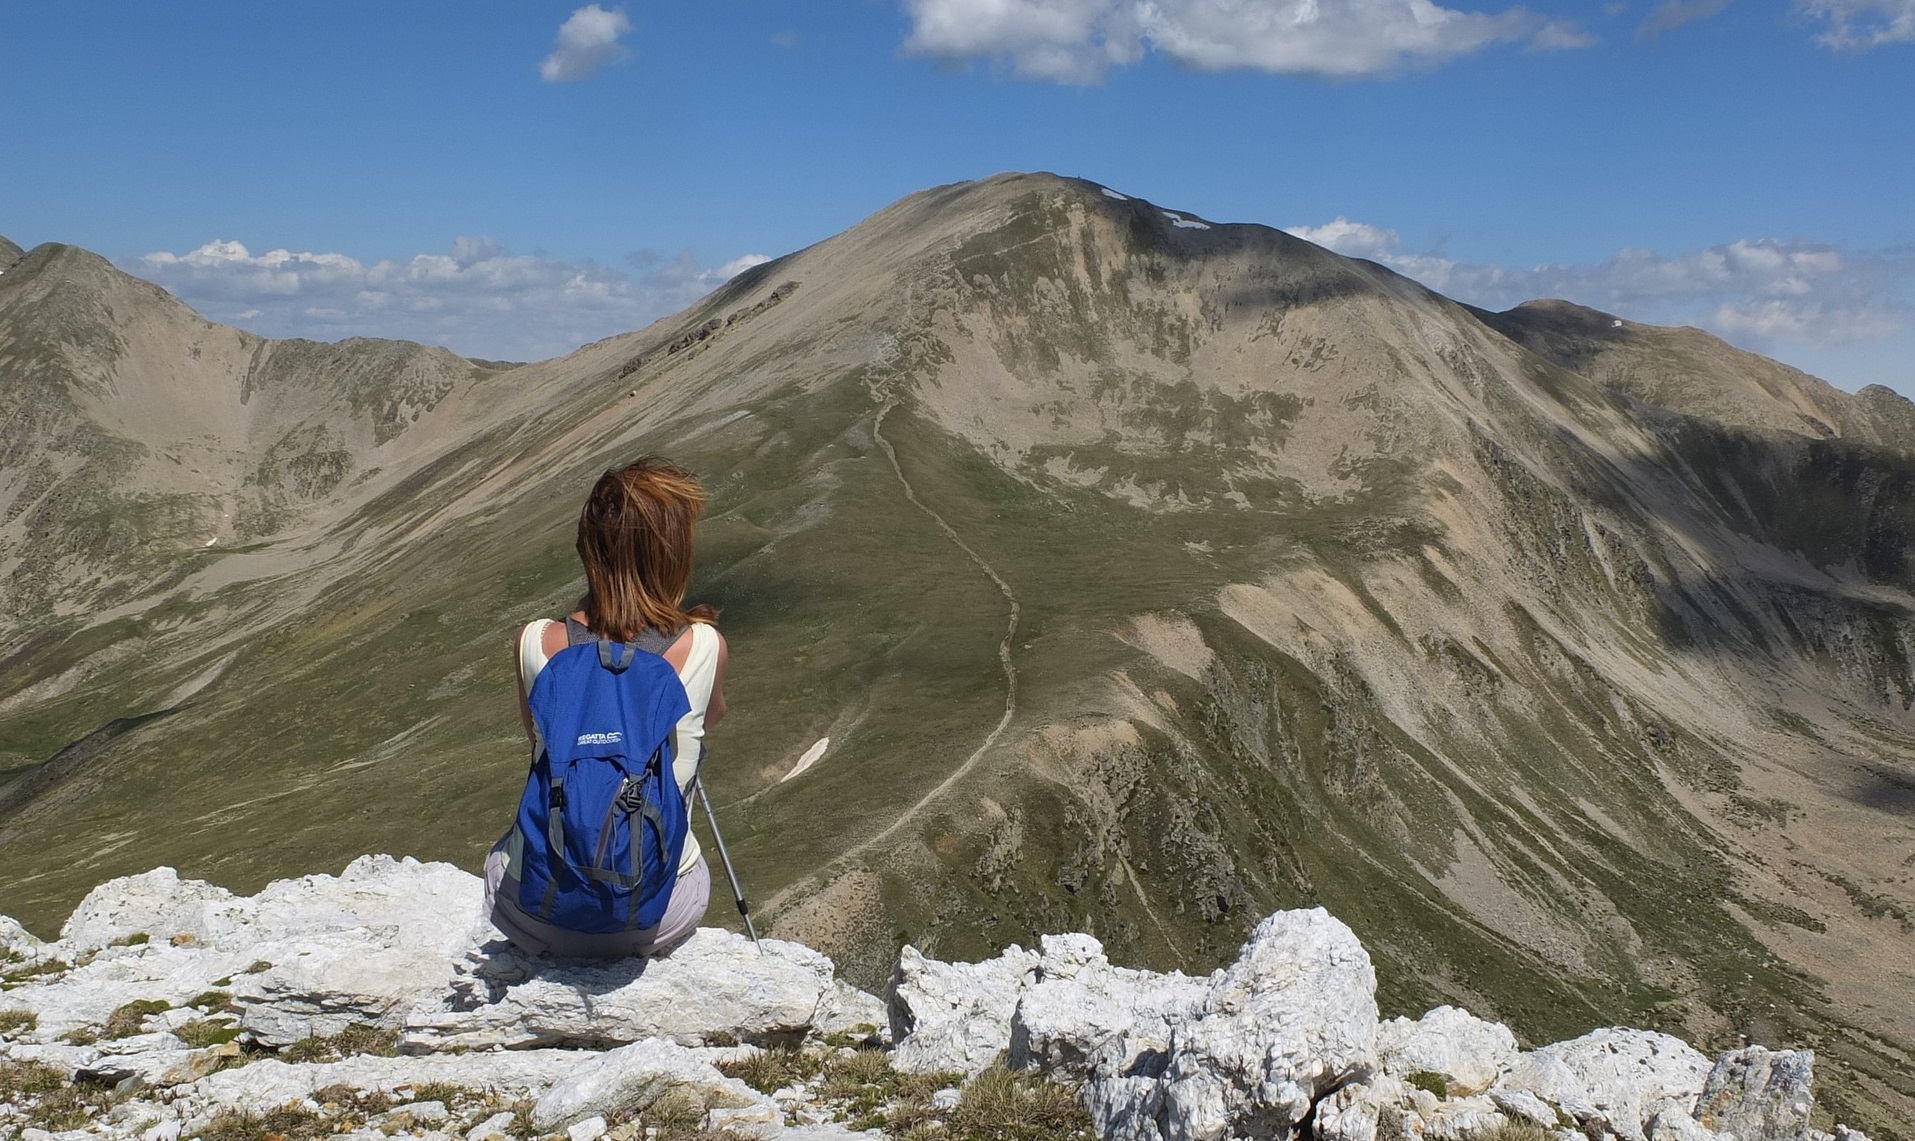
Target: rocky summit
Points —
{"points": [[379, 1003], [1089, 565]]}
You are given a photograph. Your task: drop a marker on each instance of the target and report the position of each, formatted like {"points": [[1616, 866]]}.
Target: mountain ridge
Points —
{"points": [[1579, 708]]}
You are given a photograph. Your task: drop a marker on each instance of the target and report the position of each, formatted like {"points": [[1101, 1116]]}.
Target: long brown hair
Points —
{"points": [[635, 539]]}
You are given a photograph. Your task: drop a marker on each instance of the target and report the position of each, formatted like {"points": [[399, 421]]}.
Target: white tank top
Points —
{"points": [[688, 748]]}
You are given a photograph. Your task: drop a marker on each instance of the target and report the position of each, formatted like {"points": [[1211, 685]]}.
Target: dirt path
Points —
{"points": [[1003, 657]]}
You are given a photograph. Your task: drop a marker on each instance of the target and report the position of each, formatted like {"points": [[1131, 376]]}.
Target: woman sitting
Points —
{"points": [[635, 540]]}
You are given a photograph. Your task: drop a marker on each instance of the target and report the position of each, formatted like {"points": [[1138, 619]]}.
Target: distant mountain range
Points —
{"points": [[1146, 575]]}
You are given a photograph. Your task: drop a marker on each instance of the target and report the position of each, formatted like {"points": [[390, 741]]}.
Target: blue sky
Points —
{"points": [[515, 178]]}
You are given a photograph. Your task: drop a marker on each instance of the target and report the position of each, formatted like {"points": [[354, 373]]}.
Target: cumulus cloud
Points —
{"points": [[588, 40], [1673, 14], [1856, 25], [1759, 294], [477, 300], [1078, 41]]}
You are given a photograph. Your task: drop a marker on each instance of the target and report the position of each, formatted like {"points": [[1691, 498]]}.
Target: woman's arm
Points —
{"points": [[715, 708], [525, 710]]}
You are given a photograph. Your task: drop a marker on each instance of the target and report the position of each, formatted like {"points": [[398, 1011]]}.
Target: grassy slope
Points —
{"points": [[380, 719]]}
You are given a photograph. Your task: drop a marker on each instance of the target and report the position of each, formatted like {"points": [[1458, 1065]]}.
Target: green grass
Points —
{"points": [[45, 1100], [355, 1039], [202, 1032], [127, 1020], [14, 1023]]}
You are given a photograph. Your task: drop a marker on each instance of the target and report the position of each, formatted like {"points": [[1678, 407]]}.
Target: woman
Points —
{"points": [[635, 539]]}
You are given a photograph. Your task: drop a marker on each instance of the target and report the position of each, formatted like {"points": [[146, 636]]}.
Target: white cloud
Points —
{"points": [[1856, 25], [1759, 294], [1673, 14], [588, 40], [478, 300], [1077, 41]]}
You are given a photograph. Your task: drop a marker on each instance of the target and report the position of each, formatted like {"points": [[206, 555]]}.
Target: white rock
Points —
{"points": [[1080, 1018], [1458, 1119], [1759, 1094], [1469, 1053], [1672, 1124], [362, 946], [319, 991], [1354, 1112], [761, 1119], [844, 1009], [419, 1113], [1614, 1079], [158, 904], [1524, 1105], [715, 981], [494, 1128], [632, 1077], [269, 1082], [954, 1017], [17, 939], [1292, 1019], [591, 1129]]}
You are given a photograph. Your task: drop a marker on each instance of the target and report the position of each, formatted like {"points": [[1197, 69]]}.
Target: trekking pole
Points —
{"points": [[737, 892]]}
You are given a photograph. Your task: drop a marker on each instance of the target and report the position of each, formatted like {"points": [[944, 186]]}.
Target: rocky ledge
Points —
{"points": [[378, 1003]]}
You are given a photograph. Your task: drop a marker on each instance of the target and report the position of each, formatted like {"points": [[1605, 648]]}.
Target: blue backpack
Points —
{"points": [[602, 816]]}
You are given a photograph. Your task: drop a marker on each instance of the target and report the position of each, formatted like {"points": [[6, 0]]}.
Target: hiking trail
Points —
{"points": [[1003, 656]]}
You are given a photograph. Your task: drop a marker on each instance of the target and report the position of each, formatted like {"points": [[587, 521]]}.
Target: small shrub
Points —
{"points": [[446, 1093], [1518, 1131], [16, 1022], [289, 1123], [1433, 1082], [675, 1117], [774, 1069], [999, 1105], [127, 1020], [227, 981], [137, 939], [211, 1000], [368, 1102], [43, 1099], [20, 976], [355, 1039], [203, 1032], [81, 1036], [863, 1036]]}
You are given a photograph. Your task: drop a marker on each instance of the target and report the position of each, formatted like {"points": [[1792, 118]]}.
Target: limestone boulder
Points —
{"points": [[715, 984], [1759, 1094], [86, 996], [319, 991], [1081, 1019], [1467, 1053], [16, 940], [954, 1017], [846, 1010], [1614, 1079], [265, 1084], [629, 1079], [157, 904], [1293, 1019]]}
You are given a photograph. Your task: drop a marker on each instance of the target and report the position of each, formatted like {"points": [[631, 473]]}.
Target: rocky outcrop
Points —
{"points": [[378, 1003]]}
